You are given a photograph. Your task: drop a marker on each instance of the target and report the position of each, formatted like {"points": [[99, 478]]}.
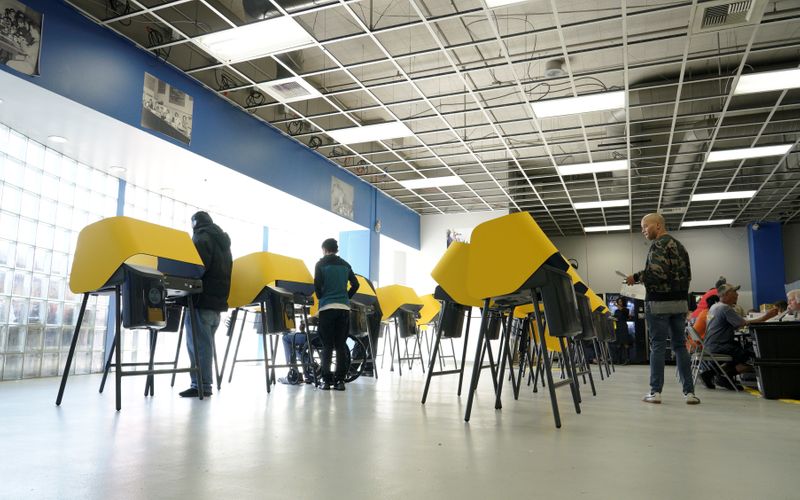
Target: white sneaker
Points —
{"points": [[652, 397], [691, 399]]}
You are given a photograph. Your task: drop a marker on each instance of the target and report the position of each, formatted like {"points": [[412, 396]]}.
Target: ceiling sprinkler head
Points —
{"points": [[555, 68]]}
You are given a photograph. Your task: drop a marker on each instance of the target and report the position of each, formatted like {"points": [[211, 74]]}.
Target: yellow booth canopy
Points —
{"points": [[107, 244], [451, 274], [394, 297], [430, 308], [252, 272], [504, 253]]}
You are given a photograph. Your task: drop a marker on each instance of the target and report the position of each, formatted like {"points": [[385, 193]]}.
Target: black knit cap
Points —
{"points": [[201, 218], [330, 245]]}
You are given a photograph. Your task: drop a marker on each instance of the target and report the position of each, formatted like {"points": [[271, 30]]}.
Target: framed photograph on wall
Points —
{"points": [[341, 198], [20, 37], [166, 109]]}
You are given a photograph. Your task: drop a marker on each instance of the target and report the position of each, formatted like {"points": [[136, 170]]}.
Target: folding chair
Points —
{"points": [[701, 354]]}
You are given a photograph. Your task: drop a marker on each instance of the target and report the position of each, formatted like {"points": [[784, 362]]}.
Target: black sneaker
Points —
{"points": [[708, 379], [325, 387], [723, 382], [339, 386], [193, 393]]}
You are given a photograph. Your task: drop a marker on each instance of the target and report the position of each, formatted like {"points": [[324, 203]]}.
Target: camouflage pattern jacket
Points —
{"points": [[667, 271]]}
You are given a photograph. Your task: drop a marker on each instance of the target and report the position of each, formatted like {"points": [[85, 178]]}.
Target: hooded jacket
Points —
{"points": [[214, 247]]}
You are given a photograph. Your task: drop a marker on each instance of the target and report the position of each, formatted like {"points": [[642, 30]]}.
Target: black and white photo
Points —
{"points": [[166, 109], [341, 198], [20, 37]]}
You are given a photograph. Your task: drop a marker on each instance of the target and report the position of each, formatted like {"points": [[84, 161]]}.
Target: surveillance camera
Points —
{"points": [[756, 227]]}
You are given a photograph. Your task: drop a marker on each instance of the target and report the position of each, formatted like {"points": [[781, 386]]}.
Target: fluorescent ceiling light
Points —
{"points": [[580, 104], [727, 195], [600, 229], [57, 139], [591, 168], [432, 182], [601, 204], [502, 3], [251, 41], [116, 169], [368, 133], [745, 153], [696, 223], [768, 81]]}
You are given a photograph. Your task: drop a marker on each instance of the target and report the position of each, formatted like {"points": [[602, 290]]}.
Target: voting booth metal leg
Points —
{"points": [[264, 344], [570, 366], [505, 356], [397, 348], [118, 349], [547, 365], [178, 347], [148, 385], [434, 352], [479, 350], [236, 351], [585, 367], [464, 352], [609, 357], [71, 353], [107, 367], [229, 334]]}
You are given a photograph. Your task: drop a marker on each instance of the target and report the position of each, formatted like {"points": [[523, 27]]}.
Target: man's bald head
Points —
{"points": [[653, 226]]}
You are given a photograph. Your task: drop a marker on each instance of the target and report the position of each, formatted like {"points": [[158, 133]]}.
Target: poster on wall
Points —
{"points": [[461, 235], [20, 36], [341, 198], [166, 109]]}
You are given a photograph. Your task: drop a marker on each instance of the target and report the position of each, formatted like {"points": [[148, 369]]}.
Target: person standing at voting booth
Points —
{"points": [[331, 275], [214, 247], [666, 278]]}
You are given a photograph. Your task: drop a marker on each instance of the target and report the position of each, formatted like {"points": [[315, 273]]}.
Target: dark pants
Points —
{"points": [[333, 328]]}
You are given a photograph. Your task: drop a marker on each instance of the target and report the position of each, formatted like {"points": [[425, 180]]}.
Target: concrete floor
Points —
{"points": [[377, 441]]}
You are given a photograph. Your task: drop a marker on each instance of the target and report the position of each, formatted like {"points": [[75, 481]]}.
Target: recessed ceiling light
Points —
{"points": [[260, 39], [601, 204], [726, 195], [116, 169], [768, 81], [580, 104], [57, 139], [592, 168], [745, 153], [502, 3], [290, 89], [432, 182], [696, 223], [368, 133], [600, 229]]}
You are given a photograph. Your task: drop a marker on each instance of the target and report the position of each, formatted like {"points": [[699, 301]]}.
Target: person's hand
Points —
{"points": [[629, 280], [771, 313]]}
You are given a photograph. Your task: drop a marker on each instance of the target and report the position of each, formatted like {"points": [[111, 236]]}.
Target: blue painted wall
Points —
{"points": [[95, 67], [767, 266]]}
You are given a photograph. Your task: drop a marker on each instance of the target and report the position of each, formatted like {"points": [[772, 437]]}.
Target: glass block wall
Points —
{"points": [[45, 200]]}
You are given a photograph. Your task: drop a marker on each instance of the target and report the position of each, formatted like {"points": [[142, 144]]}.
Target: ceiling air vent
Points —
{"points": [[290, 89], [721, 15]]}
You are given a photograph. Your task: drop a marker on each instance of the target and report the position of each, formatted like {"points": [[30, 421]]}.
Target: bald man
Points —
{"points": [[666, 278]]}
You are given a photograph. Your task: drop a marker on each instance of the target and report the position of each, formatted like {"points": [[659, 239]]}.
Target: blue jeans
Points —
{"points": [[208, 321], [290, 350], [661, 327]]}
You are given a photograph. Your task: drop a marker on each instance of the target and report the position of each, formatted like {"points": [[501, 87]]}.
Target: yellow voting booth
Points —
{"points": [[450, 274], [147, 268], [511, 263], [401, 306], [365, 323], [272, 285]]}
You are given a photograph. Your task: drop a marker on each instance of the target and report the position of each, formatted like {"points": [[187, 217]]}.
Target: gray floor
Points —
{"points": [[377, 441]]}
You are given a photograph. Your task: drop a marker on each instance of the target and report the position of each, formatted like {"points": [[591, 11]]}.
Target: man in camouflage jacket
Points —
{"points": [[666, 278]]}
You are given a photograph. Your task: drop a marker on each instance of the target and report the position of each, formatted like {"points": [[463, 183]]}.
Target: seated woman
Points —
{"points": [[792, 312]]}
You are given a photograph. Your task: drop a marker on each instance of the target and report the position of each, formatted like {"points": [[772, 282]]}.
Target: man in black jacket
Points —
{"points": [[331, 276], [214, 247]]}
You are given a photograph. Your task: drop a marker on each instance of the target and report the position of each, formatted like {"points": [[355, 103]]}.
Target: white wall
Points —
{"points": [[433, 243], [791, 251], [713, 252]]}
